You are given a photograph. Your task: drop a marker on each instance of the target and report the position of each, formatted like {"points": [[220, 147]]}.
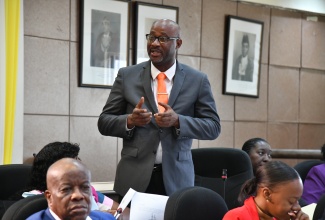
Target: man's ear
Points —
{"points": [[48, 197], [178, 43]]}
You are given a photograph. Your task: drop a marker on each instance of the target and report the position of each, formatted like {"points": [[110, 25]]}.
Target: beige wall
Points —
{"points": [[290, 112]]}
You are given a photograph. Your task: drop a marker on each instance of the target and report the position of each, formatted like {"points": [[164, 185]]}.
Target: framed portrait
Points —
{"points": [[242, 56], [144, 15], [104, 29]]}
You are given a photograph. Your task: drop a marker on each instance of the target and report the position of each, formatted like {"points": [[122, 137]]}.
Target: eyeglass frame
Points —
{"points": [[160, 37]]}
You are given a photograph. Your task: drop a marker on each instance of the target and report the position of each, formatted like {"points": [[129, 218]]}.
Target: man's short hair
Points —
{"points": [[245, 39]]}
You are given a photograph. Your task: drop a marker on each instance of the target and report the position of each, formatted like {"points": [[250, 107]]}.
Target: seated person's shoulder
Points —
{"points": [[319, 167], [317, 170], [38, 215], [94, 215]]}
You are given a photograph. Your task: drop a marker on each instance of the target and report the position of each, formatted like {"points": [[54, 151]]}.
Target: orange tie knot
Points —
{"points": [[161, 76]]}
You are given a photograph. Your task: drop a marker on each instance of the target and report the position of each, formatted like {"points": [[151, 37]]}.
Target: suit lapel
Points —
{"points": [[146, 80], [47, 215], [177, 84]]}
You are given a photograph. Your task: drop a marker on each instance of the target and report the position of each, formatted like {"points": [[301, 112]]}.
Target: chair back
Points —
{"points": [[319, 212], [14, 177], [208, 167], [193, 203], [24, 208], [303, 167]]}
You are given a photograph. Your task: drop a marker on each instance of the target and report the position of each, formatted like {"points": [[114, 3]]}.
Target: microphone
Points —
{"points": [[224, 174], [118, 212], [224, 177]]}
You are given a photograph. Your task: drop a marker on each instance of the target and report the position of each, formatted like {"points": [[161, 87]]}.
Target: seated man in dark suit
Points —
{"points": [[68, 193]]}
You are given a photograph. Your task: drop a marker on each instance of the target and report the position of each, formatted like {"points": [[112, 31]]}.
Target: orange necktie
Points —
{"points": [[162, 95]]}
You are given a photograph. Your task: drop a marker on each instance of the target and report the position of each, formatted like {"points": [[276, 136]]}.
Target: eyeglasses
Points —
{"points": [[162, 39]]}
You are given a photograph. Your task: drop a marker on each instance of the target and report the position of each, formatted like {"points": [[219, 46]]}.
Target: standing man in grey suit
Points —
{"points": [[156, 155]]}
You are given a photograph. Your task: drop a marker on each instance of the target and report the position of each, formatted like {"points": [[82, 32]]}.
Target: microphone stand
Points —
{"points": [[224, 177]]}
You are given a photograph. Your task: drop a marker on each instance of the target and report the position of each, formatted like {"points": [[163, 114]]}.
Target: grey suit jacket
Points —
{"points": [[191, 98]]}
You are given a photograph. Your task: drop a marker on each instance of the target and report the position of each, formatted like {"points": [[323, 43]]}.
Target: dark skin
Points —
{"points": [[260, 154], [68, 194], [281, 202], [163, 56]]}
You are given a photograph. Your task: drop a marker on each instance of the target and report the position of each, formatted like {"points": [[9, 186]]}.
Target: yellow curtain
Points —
{"points": [[12, 19]]}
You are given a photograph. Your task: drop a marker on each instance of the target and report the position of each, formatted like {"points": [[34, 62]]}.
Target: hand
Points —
{"points": [[112, 211], [139, 116], [300, 215], [168, 118]]}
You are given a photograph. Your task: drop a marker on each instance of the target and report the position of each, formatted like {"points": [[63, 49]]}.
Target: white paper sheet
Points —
{"points": [[125, 201], [309, 210], [148, 206]]}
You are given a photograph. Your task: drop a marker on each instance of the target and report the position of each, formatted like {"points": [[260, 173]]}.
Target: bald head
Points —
{"points": [[64, 166], [172, 26], [68, 189]]}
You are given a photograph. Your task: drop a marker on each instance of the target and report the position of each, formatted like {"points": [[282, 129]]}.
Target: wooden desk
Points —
{"points": [[103, 187]]}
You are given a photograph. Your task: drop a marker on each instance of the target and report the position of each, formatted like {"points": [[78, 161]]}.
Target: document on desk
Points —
{"points": [[148, 206], [309, 209], [125, 201]]}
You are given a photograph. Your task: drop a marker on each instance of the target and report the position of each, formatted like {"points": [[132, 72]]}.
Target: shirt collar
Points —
{"points": [[169, 73], [57, 217]]}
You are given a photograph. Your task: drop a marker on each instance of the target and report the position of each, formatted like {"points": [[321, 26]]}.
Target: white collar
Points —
{"points": [[57, 218], [169, 73]]}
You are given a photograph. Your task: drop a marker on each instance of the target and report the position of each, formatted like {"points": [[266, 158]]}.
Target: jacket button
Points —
{"points": [[154, 152]]}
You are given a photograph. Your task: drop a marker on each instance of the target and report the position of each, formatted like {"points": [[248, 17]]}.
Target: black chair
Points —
{"points": [[14, 177], [24, 208], [303, 167], [194, 203], [319, 213], [208, 167], [4, 205]]}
